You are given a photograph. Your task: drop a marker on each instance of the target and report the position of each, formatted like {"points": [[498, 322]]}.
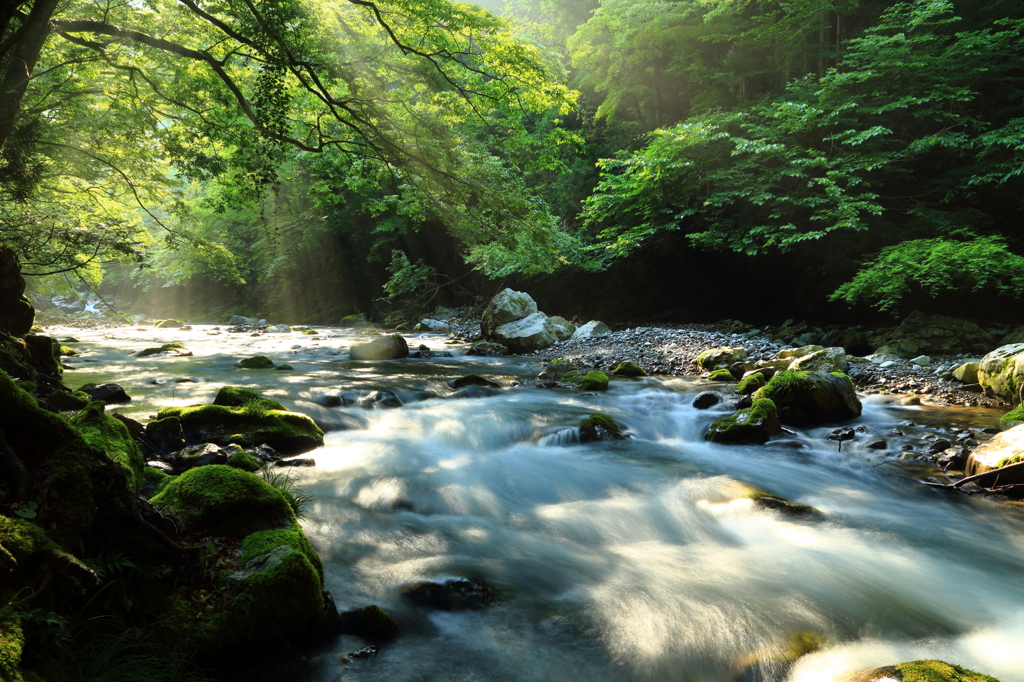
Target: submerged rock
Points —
{"points": [[166, 350], [598, 427], [455, 594], [256, 362], [472, 380], [705, 400], [372, 623], [111, 394]]}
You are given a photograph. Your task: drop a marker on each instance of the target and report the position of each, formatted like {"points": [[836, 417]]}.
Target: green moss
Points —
{"points": [[155, 481], [42, 436], [166, 348], [225, 501], [112, 438], [594, 381], [1013, 417], [1007, 461], [19, 541], [807, 397], [284, 368], [310, 332], [245, 461], [68, 402], [629, 369], [750, 384], [756, 424], [29, 386], [599, 426], [802, 643], [571, 376], [721, 375], [230, 396], [248, 426], [938, 671], [12, 642], [263, 541], [68, 351], [256, 362]]}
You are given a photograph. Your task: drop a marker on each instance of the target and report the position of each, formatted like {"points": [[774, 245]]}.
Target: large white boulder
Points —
{"points": [[564, 329], [592, 328], [531, 333], [507, 306]]}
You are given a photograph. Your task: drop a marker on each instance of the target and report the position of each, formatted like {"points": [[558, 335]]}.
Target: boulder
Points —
{"points": [[231, 396], [595, 380], [507, 306], [1015, 336], [237, 320], [554, 371], [1004, 452], [1001, 372], [967, 373], [111, 394], [629, 369], [564, 329], [273, 594], [279, 329], [754, 425], [921, 671], [357, 321], [382, 348], [256, 362], [592, 328], [111, 437], [486, 348], [720, 357], [936, 334], [197, 456], [705, 400], [823, 360], [472, 380], [811, 397], [164, 435], [533, 332], [248, 426]]}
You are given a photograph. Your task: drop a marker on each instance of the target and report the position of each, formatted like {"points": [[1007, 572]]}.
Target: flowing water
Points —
{"points": [[633, 560]]}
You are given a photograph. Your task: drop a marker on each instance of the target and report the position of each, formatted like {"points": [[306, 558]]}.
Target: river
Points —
{"points": [[632, 560]]}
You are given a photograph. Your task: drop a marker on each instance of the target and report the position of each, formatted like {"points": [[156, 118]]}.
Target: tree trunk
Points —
{"points": [[23, 57]]}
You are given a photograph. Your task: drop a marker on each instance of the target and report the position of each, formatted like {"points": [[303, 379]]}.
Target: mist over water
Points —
{"points": [[637, 560]]}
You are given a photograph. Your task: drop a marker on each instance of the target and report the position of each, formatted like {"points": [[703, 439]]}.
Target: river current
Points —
{"points": [[633, 560]]}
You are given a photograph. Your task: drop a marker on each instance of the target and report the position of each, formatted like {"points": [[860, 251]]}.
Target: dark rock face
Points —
{"points": [[16, 311], [472, 380], [382, 348], [457, 594]]}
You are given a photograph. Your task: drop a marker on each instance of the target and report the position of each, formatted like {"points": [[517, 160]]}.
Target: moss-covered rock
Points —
{"points": [[598, 427], [812, 397], [722, 374], [256, 362], [170, 349], [780, 504], [62, 401], [719, 357], [754, 425], [244, 461], [629, 369], [472, 380], [284, 368], [310, 332], [219, 500], [595, 380], [165, 435], [231, 396], [43, 356], [287, 432], [751, 383], [12, 643], [1013, 417], [153, 481], [923, 671], [1001, 372], [372, 623], [111, 437]]}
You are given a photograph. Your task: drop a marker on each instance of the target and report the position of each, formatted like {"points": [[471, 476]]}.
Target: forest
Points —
{"points": [[323, 159]]}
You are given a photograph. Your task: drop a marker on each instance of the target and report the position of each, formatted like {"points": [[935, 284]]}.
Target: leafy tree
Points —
{"points": [[916, 135]]}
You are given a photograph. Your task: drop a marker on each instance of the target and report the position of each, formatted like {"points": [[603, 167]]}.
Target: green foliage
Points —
{"points": [[281, 479], [1013, 417], [933, 266], [407, 278]]}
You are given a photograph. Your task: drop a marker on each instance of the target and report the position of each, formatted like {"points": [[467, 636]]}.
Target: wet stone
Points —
{"points": [[877, 444], [456, 594], [705, 400]]}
